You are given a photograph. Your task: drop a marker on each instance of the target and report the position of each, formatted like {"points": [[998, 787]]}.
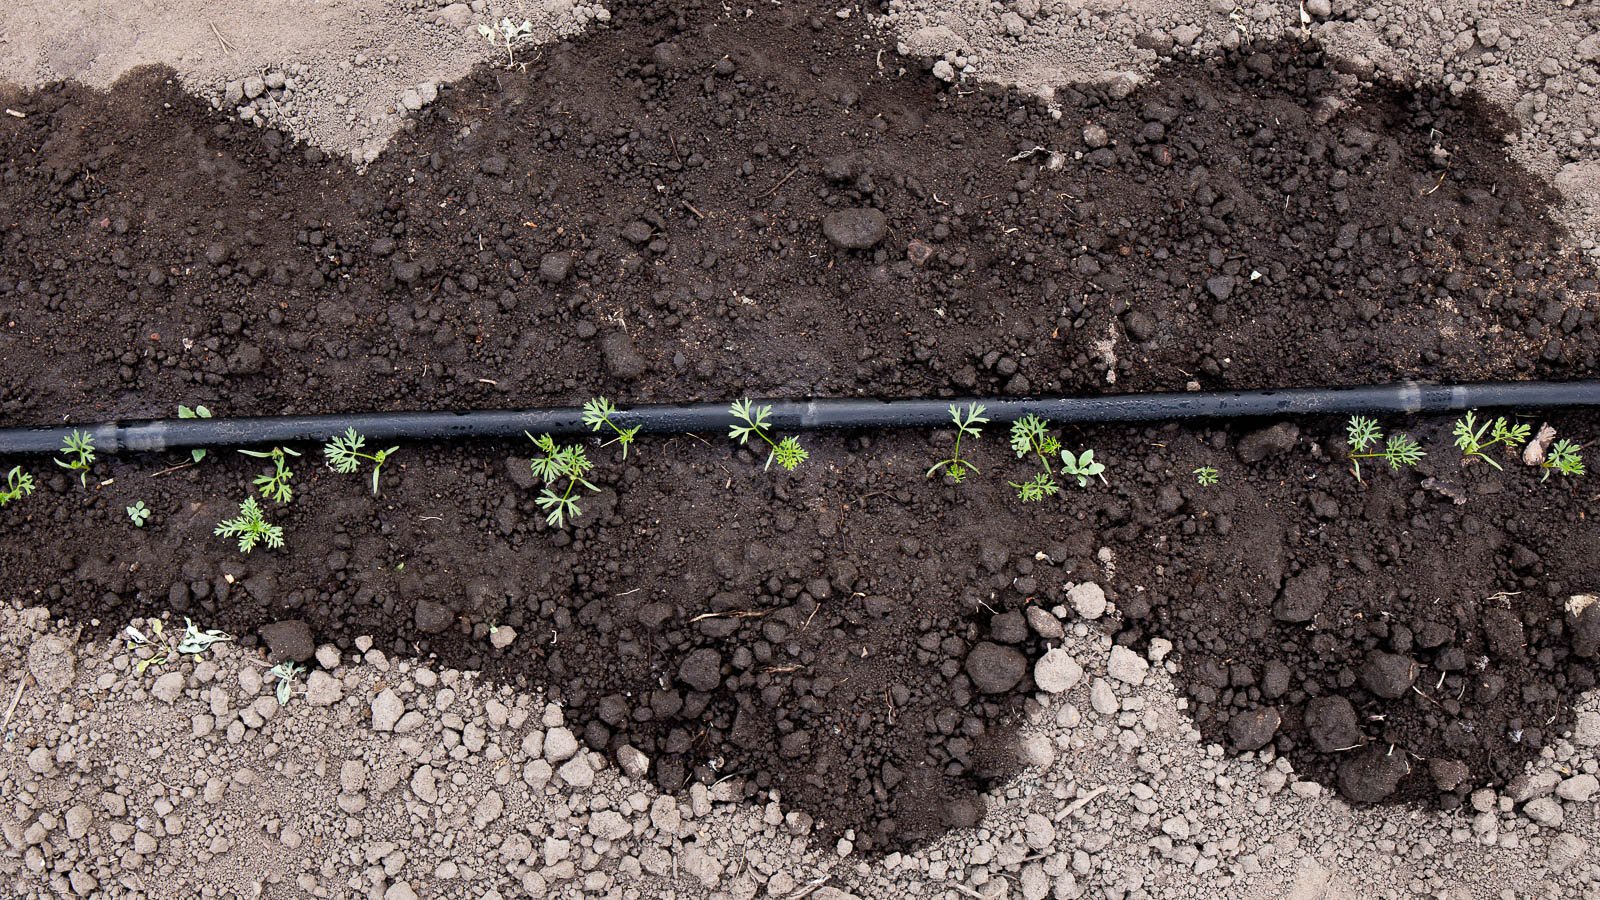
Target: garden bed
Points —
{"points": [[641, 215]]}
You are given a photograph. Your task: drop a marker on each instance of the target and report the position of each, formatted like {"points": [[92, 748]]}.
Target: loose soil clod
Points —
{"points": [[646, 214]]}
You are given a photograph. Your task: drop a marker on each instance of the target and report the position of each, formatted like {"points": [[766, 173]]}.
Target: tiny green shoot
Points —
{"points": [[1036, 488], [1398, 449], [275, 485], [597, 414], [1083, 467], [757, 420], [967, 425], [1206, 476], [1030, 434], [80, 448], [560, 462], [138, 513], [286, 673], [19, 484], [1470, 436], [250, 527], [198, 412], [1564, 457], [345, 455]]}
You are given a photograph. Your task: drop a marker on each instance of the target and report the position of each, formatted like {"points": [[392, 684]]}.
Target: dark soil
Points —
{"points": [[642, 215]]}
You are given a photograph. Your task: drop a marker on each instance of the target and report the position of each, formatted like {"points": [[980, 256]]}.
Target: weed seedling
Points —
{"points": [[1030, 434], [138, 513], [967, 425], [1398, 449], [757, 419], [1564, 458], [286, 673], [19, 484], [1083, 467], [1470, 436], [597, 414], [194, 642], [275, 485], [1206, 476], [251, 528], [508, 35], [560, 461], [80, 448], [345, 456], [198, 412]]}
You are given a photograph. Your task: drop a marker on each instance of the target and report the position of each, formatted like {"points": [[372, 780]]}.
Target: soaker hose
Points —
{"points": [[1406, 398]]}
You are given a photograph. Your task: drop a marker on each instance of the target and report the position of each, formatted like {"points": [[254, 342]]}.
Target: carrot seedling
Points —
{"points": [[757, 420], [967, 425], [274, 485], [1564, 458], [19, 484], [80, 448], [1470, 436], [1030, 434], [1398, 449], [560, 461], [597, 414], [345, 455]]}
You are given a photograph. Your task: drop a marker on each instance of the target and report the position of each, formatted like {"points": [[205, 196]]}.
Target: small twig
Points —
{"points": [[736, 614], [1080, 803], [172, 469], [690, 207], [227, 46], [781, 182], [804, 892], [13, 707], [1439, 183]]}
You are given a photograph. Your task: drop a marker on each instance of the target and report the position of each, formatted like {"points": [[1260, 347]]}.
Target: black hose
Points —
{"points": [[799, 415]]}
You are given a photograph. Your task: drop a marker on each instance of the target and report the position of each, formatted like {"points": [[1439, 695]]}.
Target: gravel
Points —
{"points": [[490, 793]]}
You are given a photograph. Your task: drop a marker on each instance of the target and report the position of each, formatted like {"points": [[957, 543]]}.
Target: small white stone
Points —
{"points": [[387, 709]]}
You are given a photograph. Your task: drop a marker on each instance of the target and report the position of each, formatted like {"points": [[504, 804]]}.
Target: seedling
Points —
{"points": [[1083, 467], [1030, 434], [198, 412], [1470, 436], [80, 448], [251, 528], [345, 456], [194, 642], [1206, 476], [967, 425], [560, 461], [1038, 488], [597, 414], [1564, 458], [509, 35], [286, 673], [139, 513], [757, 420], [275, 486], [19, 484], [1398, 449]]}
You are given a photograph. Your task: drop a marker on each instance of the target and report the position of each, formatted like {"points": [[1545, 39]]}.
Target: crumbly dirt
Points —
{"points": [[642, 213], [190, 779], [1532, 59], [341, 75]]}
